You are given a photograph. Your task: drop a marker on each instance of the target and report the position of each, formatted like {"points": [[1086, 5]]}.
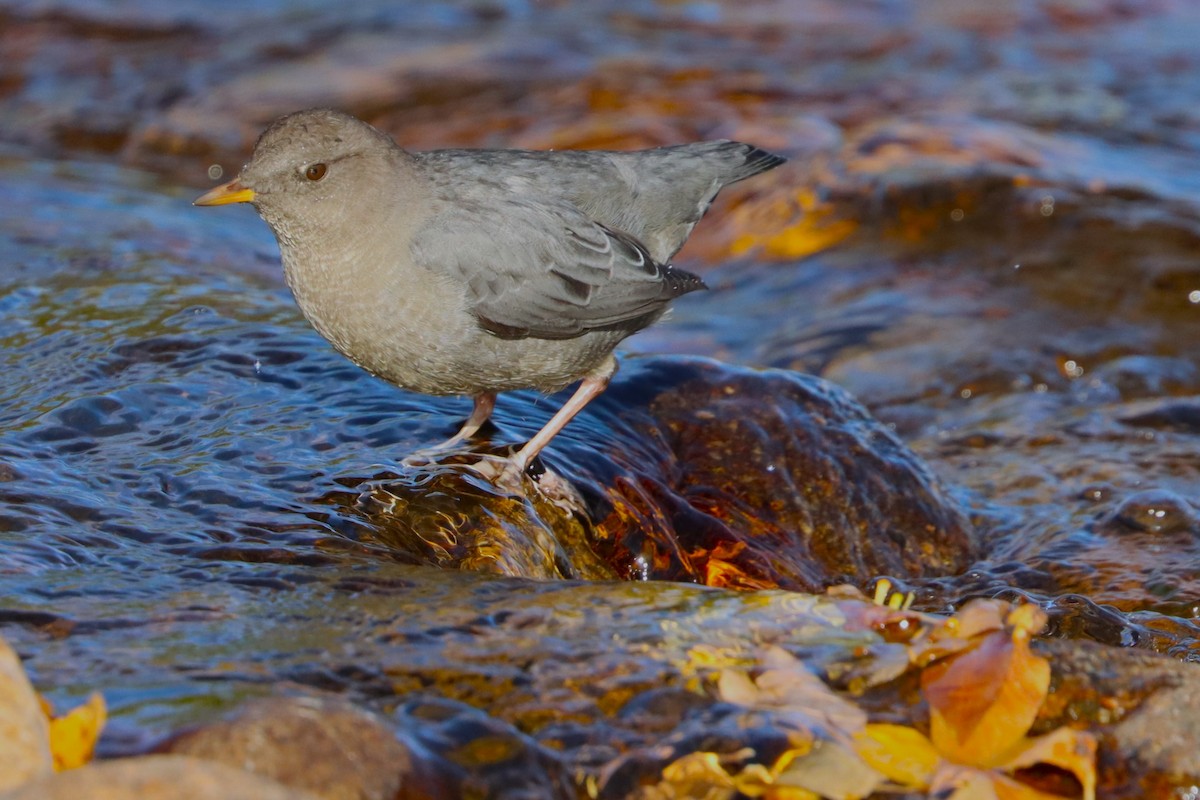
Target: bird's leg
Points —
{"points": [[484, 404], [595, 383]]}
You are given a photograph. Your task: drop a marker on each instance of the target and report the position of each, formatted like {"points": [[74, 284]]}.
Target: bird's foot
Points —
{"points": [[513, 475], [503, 471], [503, 475], [429, 456]]}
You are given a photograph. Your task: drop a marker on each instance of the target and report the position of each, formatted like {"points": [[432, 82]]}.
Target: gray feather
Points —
{"points": [[545, 269], [556, 244], [656, 196]]}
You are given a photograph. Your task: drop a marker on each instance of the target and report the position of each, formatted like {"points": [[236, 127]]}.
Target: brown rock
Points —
{"points": [[155, 778], [24, 732], [1148, 707], [1162, 734], [764, 479], [324, 746]]}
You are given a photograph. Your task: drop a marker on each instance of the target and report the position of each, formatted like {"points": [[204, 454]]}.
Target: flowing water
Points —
{"points": [[989, 234]]}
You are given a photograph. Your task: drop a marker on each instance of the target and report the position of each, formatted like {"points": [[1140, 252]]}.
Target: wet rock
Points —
{"points": [[1148, 708], [156, 778], [754, 479], [1156, 511], [24, 731], [1174, 414], [451, 516], [319, 745], [465, 752], [1157, 741]]}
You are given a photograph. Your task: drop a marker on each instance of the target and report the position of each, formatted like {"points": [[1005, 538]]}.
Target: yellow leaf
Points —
{"points": [[758, 781], [1028, 618], [73, 736], [982, 702], [903, 754], [696, 775], [788, 793]]}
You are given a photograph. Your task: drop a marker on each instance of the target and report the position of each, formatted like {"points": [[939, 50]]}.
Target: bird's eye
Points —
{"points": [[316, 172]]}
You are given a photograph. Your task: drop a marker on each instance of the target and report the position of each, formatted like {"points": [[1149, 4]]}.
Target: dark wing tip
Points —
{"points": [[679, 282], [758, 160]]}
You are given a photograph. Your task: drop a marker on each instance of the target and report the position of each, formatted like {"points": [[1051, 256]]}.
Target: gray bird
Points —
{"points": [[480, 271]]}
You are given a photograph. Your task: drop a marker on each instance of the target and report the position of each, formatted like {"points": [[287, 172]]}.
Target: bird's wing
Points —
{"points": [[544, 269]]}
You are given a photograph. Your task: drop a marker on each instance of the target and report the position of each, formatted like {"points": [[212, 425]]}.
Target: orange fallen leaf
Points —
{"points": [[983, 701], [1067, 749], [73, 735], [982, 616]]}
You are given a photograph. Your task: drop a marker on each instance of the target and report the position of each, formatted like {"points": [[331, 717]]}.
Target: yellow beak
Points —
{"points": [[226, 193]]}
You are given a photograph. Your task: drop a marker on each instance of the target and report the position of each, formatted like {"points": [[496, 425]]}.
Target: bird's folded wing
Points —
{"points": [[546, 270]]}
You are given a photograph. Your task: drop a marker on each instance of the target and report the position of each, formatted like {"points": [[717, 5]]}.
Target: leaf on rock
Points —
{"points": [[73, 736], [1028, 618], [979, 617], [829, 770], [984, 691], [903, 754], [696, 775], [1067, 749], [786, 684], [984, 701]]}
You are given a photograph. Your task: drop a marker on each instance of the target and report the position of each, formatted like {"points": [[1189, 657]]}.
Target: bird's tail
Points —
{"points": [[753, 160]]}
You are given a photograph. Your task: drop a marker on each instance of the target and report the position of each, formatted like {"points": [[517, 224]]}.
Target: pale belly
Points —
{"points": [[428, 342]]}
